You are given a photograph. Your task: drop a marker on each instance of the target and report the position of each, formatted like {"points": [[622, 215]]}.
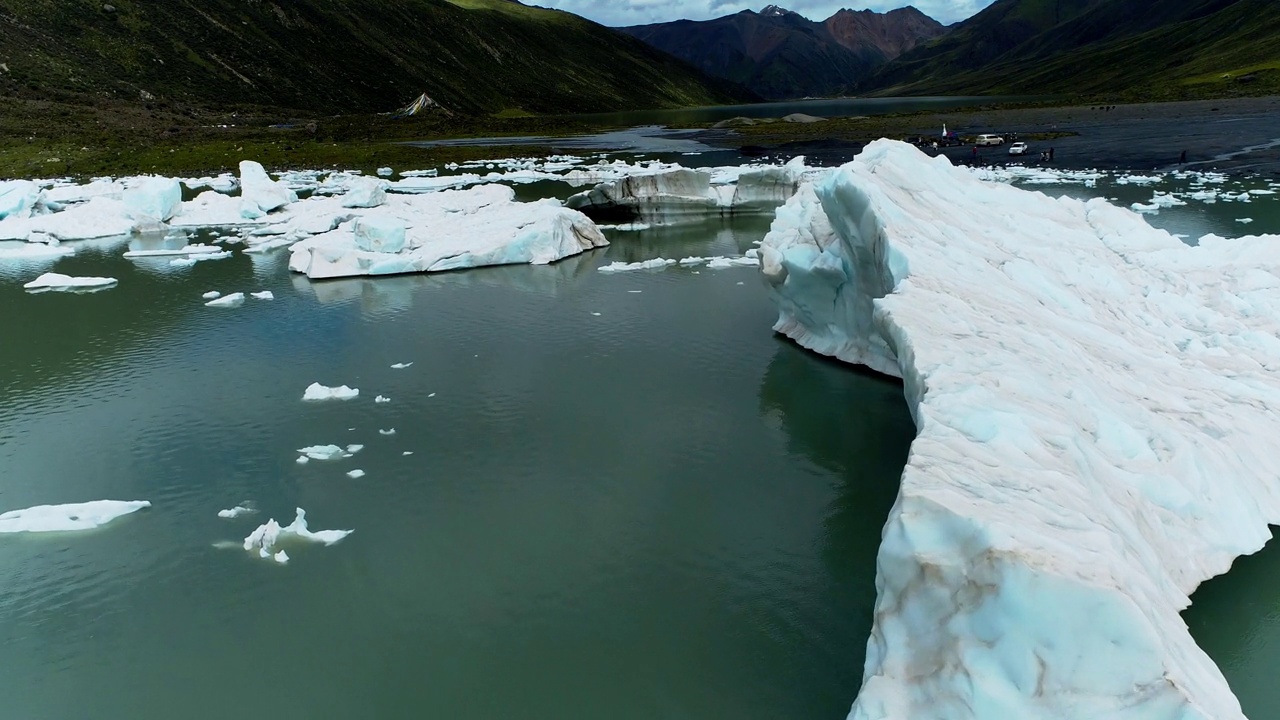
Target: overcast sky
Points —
{"points": [[640, 12]]}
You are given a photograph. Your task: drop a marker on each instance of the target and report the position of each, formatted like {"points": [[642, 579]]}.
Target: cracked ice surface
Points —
{"points": [[1094, 401]]}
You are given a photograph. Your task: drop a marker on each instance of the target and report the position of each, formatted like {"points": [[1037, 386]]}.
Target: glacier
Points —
{"points": [[1094, 402]]}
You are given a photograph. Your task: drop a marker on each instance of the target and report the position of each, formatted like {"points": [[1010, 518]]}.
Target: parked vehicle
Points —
{"points": [[1018, 148], [989, 140]]}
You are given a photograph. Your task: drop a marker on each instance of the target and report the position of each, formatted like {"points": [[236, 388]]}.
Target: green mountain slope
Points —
{"points": [[338, 56], [1154, 48]]}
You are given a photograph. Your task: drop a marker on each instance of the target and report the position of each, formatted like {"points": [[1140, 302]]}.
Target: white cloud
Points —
{"points": [[640, 12]]}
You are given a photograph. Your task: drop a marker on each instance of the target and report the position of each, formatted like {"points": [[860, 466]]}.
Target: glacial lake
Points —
{"points": [[626, 498]]}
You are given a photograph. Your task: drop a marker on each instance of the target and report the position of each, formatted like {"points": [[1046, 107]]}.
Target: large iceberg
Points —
{"points": [[447, 230], [1095, 403], [681, 194]]}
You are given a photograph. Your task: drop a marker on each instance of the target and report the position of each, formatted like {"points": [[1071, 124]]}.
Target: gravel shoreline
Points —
{"points": [[1239, 135]]}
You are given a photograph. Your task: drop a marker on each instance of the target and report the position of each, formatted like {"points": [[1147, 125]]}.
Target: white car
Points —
{"points": [[989, 140], [1018, 148]]}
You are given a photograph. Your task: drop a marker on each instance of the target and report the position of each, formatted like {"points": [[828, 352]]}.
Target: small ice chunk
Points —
{"points": [[407, 453], [431, 395], [58, 281], [211, 295], [382, 399], [392, 431], [1245, 221], [237, 511], [67, 518], [355, 474], [316, 392], [229, 301], [282, 557], [353, 449], [401, 366], [596, 314], [385, 172], [304, 460], [264, 295], [365, 193]]}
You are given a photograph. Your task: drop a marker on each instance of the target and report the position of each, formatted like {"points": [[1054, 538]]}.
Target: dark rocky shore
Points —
{"points": [[1235, 135]]}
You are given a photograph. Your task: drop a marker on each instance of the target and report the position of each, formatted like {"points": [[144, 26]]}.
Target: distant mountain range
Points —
{"points": [[780, 54], [1158, 48], [337, 57]]}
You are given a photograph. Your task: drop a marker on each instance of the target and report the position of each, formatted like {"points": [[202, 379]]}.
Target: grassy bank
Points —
{"points": [[47, 139]]}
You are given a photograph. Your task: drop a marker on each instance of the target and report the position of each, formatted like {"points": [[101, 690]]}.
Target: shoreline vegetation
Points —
{"points": [[51, 139]]}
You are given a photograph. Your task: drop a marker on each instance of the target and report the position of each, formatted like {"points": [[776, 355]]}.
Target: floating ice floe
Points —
{"points": [[199, 257], [238, 511], [264, 295], [447, 231], [316, 392], [34, 251], [716, 262], [382, 399], [401, 366], [267, 538], [328, 453], [70, 194], [227, 301], [60, 282], [67, 518], [355, 474], [1093, 400], [654, 264], [211, 295], [1246, 221], [392, 431], [185, 250], [385, 172]]}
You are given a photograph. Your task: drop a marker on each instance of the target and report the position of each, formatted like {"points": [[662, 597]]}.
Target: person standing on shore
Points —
{"points": [[1050, 154], [1182, 159]]}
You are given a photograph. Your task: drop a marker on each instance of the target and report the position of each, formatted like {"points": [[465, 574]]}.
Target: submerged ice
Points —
{"points": [[1093, 400]]}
